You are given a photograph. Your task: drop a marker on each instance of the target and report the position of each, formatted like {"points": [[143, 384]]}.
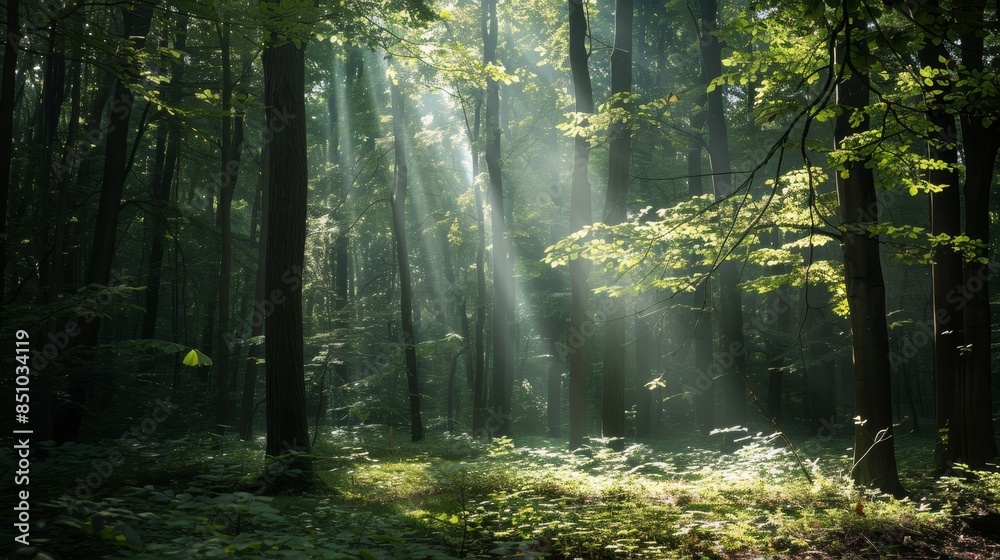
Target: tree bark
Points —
{"points": [[232, 153], [730, 308], [284, 97], [400, 179], [946, 270], [498, 425], [341, 246], [247, 405], [701, 319], [580, 216], [479, 395], [972, 437], [874, 455], [613, 407]]}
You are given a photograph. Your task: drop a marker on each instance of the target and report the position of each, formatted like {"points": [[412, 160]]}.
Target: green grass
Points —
{"points": [[452, 497]]}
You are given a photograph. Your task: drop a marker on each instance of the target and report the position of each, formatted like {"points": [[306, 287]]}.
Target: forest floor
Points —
{"points": [[452, 497]]}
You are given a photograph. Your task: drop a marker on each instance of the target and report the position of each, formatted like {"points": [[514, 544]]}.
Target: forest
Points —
{"points": [[437, 279]]}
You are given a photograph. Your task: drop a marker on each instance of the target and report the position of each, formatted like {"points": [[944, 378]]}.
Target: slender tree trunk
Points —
{"points": [[730, 308], [822, 392], [613, 413], [779, 304], [580, 216], [43, 408], [50, 100], [247, 405], [341, 246], [645, 362], [400, 179], [704, 387], [503, 270], [479, 395], [874, 456], [284, 97], [229, 177], [232, 151]]}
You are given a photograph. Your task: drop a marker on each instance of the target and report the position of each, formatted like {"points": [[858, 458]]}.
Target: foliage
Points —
{"points": [[674, 249], [453, 497]]}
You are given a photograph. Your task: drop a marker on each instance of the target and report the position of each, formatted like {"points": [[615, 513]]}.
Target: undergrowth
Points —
{"points": [[453, 497]]}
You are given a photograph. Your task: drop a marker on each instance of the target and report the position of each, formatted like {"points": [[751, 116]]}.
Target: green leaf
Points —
{"points": [[195, 358]]}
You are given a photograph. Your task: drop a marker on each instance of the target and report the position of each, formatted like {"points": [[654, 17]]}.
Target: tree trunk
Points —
{"points": [[400, 178], [780, 305], [704, 387], [341, 246], [874, 456], [613, 413], [232, 152], [946, 270], [645, 363], [479, 396], [247, 405], [580, 216], [503, 271], [972, 436], [43, 427], [730, 308], [226, 342], [284, 97]]}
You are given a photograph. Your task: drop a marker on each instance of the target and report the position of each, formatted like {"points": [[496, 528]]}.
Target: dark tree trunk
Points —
{"points": [[701, 320], [226, 341], [874, 455], [400, 178], [972, 436], [613, 413], [284, 97], [503, 266], [247, 405], [946, 270], [43, 427], [730, 304], [580, 216], [231, 149], [781, 306], [822, 390]]}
